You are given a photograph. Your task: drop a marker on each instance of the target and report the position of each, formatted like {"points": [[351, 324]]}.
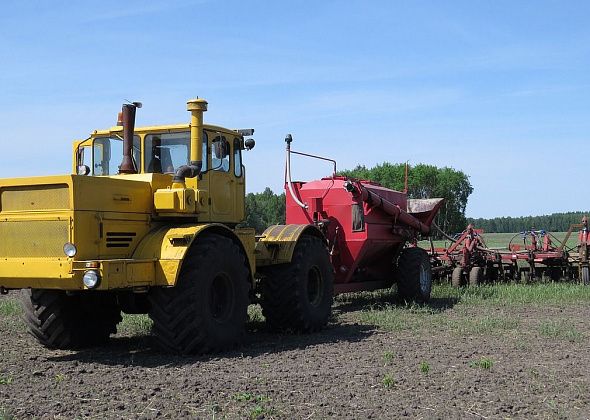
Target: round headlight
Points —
{"points": [[70, 250], [91, 279]]}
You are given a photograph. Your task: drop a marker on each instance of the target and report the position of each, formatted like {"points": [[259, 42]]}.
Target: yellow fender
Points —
{"points": [[277, 244], [167, 247]]}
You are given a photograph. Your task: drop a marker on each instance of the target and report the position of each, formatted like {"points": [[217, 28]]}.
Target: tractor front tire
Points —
{"points": [[457, 277], [298, 296], [414, 275], [61, 321], [476, 276], [585, 275], [206, 311]]}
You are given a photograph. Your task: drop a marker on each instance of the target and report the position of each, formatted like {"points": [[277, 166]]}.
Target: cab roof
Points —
{"points": [[161, 128]]}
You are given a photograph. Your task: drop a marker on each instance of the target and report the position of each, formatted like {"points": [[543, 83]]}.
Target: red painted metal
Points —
{"points": [[366, 226], [584, 234]]}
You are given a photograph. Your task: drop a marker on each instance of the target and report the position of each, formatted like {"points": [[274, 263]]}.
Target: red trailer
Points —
{"points": [[371, 231]]}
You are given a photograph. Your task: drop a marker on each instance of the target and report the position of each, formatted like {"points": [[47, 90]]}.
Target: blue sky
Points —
{"points": [[498, 89]]}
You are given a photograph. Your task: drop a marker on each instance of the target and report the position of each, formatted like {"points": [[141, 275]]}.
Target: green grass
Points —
{"points": [[515, 294], [5, 414], [411, 318], [261, 404], [255, 314], [388, 357], [388, 381], [247, 396], [5, 380], [473, 311], [10, 307], [501, 240], [560, 329], [484, 363], [135, 325], [424, 367]]}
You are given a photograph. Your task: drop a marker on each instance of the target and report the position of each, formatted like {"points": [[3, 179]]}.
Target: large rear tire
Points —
{"points": [[457, 277], [414, 275], [62, 321], [298, 296], [208, 308]]}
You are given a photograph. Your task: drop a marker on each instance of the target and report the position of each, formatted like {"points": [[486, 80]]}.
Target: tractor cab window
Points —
{"points": [[107, 155], [165, 153], [220, 154], [237, 158]]}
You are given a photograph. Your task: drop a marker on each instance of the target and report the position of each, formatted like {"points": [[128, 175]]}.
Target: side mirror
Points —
{"points": [[249, 144], [83, 170]]}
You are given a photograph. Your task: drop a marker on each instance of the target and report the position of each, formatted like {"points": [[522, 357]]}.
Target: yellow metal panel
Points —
{"points": [[167, 246], [277, 243], [31, 198], [33, 238], [17, 273], [112, 195], [123, 274], [177, 200], [247, 237]]}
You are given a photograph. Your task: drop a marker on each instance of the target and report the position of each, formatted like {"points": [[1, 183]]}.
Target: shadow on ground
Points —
{"points": [[141, 351], [362, 301]]}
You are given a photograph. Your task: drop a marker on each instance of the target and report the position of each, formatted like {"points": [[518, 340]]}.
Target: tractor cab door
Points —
{"points": [[240, 178], [223, 185]]}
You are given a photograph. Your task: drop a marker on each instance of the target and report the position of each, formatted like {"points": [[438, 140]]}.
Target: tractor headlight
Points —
{"points": [[91, 279], [70, 250]]}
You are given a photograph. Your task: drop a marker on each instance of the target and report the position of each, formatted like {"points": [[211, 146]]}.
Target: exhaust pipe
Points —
{"points": [[128, 119], [196, 107]]}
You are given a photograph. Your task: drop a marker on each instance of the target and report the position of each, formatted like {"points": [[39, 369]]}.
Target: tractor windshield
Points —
{"points": [[165, 153], [106, 155]]}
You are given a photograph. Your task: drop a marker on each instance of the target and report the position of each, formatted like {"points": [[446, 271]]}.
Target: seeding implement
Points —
{"points": [[149, 222], [540, 255]]}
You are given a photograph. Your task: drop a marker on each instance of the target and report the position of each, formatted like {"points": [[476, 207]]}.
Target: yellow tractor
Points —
{"points": [[149, 223]]}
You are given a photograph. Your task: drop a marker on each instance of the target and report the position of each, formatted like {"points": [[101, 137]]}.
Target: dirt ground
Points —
{"points": [[520, 362]]}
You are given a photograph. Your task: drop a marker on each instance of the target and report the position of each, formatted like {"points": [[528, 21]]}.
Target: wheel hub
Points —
{"points": [[424, 283], [314, 286]]}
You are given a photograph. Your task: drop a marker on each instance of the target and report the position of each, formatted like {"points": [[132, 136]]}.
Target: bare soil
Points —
{"points": [[536, 366]]}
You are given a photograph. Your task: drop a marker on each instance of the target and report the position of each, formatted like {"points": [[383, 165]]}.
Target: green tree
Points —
{"points": [[264, 209], [556, 222]]}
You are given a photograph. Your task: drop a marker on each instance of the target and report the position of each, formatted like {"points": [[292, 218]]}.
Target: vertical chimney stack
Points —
{"points": [[128, 113]]}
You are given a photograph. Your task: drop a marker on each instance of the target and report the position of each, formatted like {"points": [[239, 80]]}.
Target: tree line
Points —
{"points": [[556, 222], [424, 181]]}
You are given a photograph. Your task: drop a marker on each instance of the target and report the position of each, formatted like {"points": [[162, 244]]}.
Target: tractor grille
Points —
{"points": [[33, 238], [120, 239], [42, 197]]}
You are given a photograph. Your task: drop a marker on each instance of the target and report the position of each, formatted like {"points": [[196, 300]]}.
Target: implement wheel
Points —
{"points": [[60, 321], [476, 276], [457, 277], [207, 309], [414, 275], [556, 273], [298, 296]]}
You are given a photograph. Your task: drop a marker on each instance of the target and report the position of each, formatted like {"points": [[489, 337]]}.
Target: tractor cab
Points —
{"points": [[163, 156]]}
